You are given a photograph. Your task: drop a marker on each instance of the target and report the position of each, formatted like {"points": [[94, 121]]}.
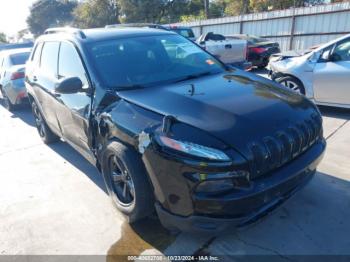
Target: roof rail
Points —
{"points": [[69, 30], [139, 25]]}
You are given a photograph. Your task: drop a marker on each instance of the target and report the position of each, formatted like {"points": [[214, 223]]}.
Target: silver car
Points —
{"points": [[12, 66], [323, 75]]}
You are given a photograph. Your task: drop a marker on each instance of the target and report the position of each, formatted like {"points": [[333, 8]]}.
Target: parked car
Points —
{"points": [[181, 30], [16, 46], [259, 49], [205, 145], [229, 51], [323, 74], [12, 66]]}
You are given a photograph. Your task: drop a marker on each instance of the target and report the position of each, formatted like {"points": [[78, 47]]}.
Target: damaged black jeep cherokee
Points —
{"points": [[171, 128]]}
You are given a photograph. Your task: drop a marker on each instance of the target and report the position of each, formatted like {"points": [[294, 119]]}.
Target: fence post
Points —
{"points": [[292, 31]]}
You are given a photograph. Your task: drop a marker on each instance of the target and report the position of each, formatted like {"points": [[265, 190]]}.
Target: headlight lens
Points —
{"points": [[194, 149]]}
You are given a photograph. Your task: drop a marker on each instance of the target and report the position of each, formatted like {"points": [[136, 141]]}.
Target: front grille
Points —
{"points": [[276, 150]]}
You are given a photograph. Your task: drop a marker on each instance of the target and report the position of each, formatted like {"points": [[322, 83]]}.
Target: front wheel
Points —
{"points": [[292, 83], [127, 182], [43, 129]]}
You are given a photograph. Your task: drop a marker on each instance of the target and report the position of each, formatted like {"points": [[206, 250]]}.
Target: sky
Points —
{"points": [[13, 15]]}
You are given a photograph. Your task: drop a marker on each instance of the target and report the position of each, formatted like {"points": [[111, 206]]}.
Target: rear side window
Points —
{"points": [[19, 59], [69, 64], [36, 54], [49, 56]]}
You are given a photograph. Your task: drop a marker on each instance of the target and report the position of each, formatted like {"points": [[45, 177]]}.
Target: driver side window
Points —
{"points": [[342, 51], [325, 54], [70, 65]]}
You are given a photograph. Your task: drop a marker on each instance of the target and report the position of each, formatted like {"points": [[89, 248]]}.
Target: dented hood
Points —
{"points": [[235, 108]]}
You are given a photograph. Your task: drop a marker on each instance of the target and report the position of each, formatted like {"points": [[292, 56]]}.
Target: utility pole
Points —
{"points": [[206, 9]]}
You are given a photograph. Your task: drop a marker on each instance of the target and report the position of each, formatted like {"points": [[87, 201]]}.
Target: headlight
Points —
{"points": [[194, 149]]}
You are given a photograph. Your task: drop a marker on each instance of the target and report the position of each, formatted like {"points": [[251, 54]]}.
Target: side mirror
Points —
{"points": [[70, 85], [334, 57]]}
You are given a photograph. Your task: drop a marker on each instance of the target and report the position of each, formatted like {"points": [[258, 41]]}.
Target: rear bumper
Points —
{"points": [[16, 92], [247, 206]]}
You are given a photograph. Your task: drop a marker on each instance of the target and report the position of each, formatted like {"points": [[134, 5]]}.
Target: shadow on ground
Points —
{"points": [[335, 112], [23, 112], [314, 222]]}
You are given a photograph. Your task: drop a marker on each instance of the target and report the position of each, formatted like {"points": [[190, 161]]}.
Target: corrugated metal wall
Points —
{"points": [[298, 28]]}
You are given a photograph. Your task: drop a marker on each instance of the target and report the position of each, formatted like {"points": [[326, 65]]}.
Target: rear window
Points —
{"points": [[19, 59]]}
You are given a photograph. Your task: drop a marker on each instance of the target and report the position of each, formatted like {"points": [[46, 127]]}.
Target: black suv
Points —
{"points": [[171, 128]]}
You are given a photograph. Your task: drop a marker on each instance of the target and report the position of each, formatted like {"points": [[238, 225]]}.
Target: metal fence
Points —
{"points": [[297, 28]]}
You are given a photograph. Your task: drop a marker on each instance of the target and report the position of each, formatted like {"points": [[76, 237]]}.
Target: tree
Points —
{"points": [[50, 13], [153, 11], [3, 38], [266, 5], [237, 7], [96, 13]]}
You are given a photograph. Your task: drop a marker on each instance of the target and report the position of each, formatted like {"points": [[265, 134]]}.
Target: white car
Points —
{"points": [[323, 75]]}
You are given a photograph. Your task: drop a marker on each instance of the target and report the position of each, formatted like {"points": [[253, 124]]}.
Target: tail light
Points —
{"points": [[21, 95], [17, 75], [257, 50]]}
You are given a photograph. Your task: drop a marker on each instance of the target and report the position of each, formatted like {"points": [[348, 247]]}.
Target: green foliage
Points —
{"points": [[3, 38], [152, 11], [96, 13], [50, 13]]}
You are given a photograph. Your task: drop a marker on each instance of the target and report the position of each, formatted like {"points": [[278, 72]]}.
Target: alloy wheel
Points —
{"points": [[292, 85], [122, 183]]}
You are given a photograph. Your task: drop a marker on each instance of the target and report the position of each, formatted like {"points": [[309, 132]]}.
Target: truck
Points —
{"points": [[231, 52]]}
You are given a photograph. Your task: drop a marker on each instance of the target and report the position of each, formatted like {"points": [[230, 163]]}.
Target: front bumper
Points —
{"points": [[243, 207]]}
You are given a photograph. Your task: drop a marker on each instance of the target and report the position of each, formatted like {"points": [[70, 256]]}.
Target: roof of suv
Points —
{"points": [[100, 34]]}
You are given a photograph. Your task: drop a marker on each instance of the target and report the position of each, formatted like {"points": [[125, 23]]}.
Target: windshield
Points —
{"points": [[145, 61], [19, 59]]}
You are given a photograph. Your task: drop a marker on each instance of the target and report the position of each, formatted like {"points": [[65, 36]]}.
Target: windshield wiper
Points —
{"points": [[194, 76]]}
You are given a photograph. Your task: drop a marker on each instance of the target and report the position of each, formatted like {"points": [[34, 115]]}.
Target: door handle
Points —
{"points": [[228, 46]]}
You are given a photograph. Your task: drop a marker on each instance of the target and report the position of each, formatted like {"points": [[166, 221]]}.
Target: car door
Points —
{"points": [[43, 79], [74, 109], [332, 74]]}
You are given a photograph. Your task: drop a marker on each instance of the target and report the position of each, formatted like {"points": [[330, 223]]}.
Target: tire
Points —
{"points": [[292, 83], [7, 103], [44, 130], [120, 161], [262, 66]]}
